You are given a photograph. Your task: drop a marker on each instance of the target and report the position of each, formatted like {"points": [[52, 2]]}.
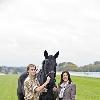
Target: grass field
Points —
{"points": [[87, 88]]}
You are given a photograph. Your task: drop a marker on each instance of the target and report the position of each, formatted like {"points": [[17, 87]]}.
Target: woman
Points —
{"points": [[66, 89], [31, 84]]}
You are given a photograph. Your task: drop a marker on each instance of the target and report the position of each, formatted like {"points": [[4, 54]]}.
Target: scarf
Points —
{"points": [[63, 86]]}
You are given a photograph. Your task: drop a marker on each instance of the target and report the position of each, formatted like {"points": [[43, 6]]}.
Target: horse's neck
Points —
{"points": [[40, 76]]}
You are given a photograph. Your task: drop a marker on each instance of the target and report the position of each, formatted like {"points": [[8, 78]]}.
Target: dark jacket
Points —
{"points": [[20, 88]]}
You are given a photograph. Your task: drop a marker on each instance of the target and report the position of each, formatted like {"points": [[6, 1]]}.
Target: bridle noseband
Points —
{"points": [[51, 72]]}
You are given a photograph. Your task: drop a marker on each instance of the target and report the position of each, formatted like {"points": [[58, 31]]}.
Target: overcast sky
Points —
{"points": [[28, 27]]}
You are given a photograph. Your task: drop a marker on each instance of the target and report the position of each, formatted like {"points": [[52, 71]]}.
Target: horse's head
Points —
{"points": [[49, 65]]}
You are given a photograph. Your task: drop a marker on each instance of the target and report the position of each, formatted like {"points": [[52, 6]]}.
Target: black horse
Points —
{"points": [[48, 69]]}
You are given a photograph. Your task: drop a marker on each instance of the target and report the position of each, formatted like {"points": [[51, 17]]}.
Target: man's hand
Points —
{"points": [[45, 90]]}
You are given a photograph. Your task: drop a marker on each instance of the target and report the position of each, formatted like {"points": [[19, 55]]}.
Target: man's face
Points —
{"points": [[32, 71]]}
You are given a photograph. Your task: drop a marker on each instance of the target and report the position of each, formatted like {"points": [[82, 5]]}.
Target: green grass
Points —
{"points": [[8, 85], [87, 88]]}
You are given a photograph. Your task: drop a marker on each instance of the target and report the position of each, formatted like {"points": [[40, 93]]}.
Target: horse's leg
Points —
{"points": [[43, 97], [55, 95], [40, 97], [50, 97]]}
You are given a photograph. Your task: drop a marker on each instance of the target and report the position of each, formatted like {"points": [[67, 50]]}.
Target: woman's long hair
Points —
{"points": [[69, 79]]}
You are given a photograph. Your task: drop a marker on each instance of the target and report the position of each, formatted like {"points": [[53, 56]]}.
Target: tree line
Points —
{"points": [[70, 66], [95, 67]]}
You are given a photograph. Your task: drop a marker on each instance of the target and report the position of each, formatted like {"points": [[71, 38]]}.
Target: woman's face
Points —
{"points": [[65, 77], [32, 71]]}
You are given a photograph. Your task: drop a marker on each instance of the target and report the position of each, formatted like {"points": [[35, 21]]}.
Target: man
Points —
{"points": [[20, 89], [32, 88]]}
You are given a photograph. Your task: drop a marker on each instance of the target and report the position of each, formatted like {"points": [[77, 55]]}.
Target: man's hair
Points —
{"points": [[31, 65]]}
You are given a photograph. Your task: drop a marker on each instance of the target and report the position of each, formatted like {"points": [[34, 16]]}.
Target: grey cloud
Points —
{"points": [[27, 28]]}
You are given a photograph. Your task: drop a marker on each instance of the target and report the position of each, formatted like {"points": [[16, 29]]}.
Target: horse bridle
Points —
{"points": [[51, 72]]}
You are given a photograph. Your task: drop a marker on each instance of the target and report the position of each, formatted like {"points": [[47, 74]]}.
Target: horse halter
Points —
{"points": [[51, 72]]}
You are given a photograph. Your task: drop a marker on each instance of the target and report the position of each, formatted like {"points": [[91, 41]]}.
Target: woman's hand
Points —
{"points": [[55, 89], [48, 80]]}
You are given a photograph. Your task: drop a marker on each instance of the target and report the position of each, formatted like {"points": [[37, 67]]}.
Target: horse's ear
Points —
{"points": [[56, 55], [45, 54]]}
